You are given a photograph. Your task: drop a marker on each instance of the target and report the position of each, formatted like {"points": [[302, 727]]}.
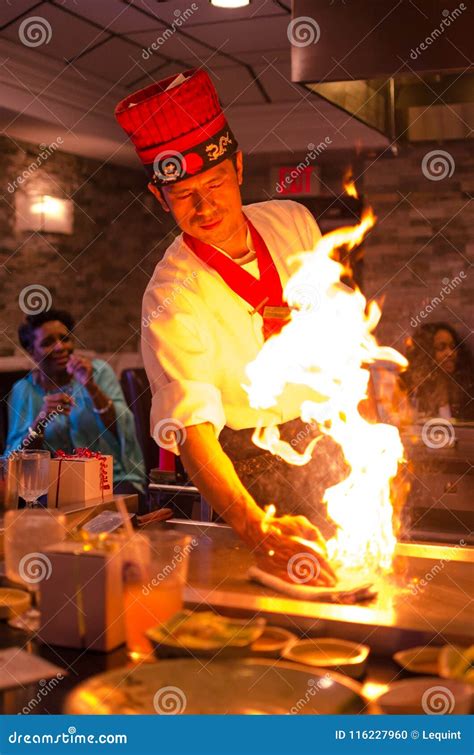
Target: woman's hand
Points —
{"points": [[56, 403], [80, 368], [293, 549]]}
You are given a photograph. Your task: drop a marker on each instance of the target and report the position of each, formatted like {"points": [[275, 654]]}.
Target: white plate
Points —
{"points": [[349, 591], [326, 652]]}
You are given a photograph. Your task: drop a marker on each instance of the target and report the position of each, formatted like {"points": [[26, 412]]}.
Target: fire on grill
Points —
{"points": [[328, 346]]}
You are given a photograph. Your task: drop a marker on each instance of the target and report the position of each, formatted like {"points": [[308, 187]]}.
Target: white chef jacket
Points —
{"points": [[198, 335]]}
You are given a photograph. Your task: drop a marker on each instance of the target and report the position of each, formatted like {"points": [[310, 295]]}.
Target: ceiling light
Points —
{"points": [[230, 3]]}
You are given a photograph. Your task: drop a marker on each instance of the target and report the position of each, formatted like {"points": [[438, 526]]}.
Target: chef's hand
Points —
{"points": [[287, 537], [300, 526], [80, 368], [292, 548]]}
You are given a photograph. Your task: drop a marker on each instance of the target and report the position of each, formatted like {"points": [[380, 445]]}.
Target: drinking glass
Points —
{"points": [[154, 568], [9, 482], [28, 532], [33, 475]]}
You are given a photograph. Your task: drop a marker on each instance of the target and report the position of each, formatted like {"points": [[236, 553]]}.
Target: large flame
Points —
{"points": [[348, 184], [328, 346]]}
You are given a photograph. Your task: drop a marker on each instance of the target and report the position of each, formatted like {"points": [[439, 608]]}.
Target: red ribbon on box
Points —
{"points": [[83, 453]]}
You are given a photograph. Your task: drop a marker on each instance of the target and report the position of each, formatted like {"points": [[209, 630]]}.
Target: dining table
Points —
{"points": [[409, 608]]}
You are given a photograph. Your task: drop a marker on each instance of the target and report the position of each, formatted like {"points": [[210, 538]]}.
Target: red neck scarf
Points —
{"points": [[264, 294]]}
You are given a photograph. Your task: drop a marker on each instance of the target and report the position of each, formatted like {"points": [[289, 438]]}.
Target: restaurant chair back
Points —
{"points": [[137, 394], [166, 488], [136, 389], [7, 380]]}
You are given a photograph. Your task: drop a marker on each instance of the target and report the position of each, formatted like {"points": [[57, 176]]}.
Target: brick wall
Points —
{"points": [[423, 237], [100, 272], [423, 241]]}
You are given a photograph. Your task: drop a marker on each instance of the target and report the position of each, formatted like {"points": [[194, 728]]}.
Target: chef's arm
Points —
{"points": [[214, 475]]}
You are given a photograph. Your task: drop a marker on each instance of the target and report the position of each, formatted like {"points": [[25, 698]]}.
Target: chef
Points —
{"points": [[212, 301]]}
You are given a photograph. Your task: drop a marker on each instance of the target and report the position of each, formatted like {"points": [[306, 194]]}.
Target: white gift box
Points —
{"points": [[74, 479]]}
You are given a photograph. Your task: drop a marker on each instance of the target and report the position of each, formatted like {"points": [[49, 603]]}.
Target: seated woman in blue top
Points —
{"points": [[70, 402]]}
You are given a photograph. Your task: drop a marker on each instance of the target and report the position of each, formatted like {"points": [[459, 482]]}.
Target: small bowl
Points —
{"points": [[429, 694], [419, 660], [13, 602], [457, 663], [272, 642], [327, 652]]}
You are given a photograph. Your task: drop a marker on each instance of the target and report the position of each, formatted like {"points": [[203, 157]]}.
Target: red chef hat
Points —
{"points": [[177, 126]]}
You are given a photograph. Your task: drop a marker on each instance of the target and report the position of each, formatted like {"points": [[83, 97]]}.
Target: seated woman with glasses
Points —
{"points": [[439, 380], [68, 401]]}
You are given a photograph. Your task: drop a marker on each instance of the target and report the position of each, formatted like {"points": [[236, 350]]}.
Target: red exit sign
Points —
{"points": [[294, 179]]}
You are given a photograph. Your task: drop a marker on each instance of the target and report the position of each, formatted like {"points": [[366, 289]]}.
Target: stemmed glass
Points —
{"points": [[33, 475], [27, 533]]}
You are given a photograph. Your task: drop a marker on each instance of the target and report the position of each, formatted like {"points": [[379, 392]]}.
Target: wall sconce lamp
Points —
{"points": [[43, 213]]}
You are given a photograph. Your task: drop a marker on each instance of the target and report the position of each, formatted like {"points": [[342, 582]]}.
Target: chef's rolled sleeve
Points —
{"points": [[185, 402], [178, 358]]}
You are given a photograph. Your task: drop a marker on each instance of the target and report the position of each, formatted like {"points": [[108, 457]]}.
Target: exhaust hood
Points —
{"points": [[403, 68]]}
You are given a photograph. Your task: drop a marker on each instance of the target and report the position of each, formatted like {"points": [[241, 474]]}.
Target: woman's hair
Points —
{"points": [[422, 377], [26, 331]]}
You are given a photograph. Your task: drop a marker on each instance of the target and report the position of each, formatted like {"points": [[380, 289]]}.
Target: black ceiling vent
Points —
{"points": [[404, 68]]}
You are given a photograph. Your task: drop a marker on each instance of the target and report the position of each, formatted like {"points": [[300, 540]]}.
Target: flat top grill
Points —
{"points": [[437, 608]]}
